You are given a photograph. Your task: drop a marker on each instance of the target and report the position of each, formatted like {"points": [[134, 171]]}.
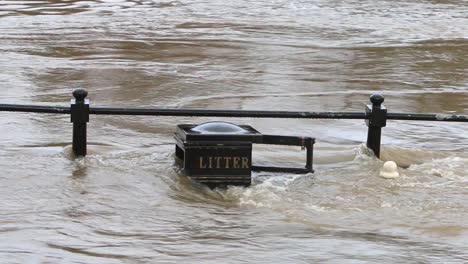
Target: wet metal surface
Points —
{"points": [[127, 202]]}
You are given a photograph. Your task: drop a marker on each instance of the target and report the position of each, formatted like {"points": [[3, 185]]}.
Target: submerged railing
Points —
{"points": [[375, 115]]}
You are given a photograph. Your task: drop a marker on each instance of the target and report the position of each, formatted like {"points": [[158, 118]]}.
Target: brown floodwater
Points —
{"points": [[128, 202]]}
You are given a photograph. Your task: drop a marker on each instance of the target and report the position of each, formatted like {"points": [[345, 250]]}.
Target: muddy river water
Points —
{"points": [[127, 202]]}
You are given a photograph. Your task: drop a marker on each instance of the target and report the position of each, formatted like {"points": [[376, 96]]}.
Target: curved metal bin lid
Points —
{"points": [[224, 128]]}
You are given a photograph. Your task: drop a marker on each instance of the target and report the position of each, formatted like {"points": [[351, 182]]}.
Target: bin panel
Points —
{"points": [[218, 160]]}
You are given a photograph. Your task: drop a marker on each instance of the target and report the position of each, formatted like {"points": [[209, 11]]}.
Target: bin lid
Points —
{"points": [[219, 128], [216, 131]]}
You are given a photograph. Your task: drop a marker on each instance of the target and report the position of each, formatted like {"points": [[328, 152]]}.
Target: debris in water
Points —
{"points": [[389, 170]]}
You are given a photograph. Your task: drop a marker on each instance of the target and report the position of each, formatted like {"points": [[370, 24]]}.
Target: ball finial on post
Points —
{"points": [[377, 99], [80, 94]]}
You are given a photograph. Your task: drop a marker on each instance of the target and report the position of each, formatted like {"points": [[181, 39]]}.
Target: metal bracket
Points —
{"points": [[304, 142]]}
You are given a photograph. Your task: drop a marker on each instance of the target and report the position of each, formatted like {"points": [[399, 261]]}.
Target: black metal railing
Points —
{"points": [[375, 115]]}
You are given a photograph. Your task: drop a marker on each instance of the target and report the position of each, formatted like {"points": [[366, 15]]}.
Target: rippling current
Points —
{"points": [[128, 202]]}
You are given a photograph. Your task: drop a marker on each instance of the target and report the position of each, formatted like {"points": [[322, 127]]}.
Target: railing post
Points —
{"points": [[377, 118], [79, 110]]}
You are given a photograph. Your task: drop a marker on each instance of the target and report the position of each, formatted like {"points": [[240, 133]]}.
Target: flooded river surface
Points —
{"points": [[128, 202]]}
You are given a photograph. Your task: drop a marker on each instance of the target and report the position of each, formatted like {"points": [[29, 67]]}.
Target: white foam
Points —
{"points": [[454, 168]]}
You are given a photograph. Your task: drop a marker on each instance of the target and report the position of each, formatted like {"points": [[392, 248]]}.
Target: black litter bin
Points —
{"points": [[220, 153]]}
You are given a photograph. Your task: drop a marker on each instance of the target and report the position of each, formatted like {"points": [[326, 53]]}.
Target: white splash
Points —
{"points": [[454, 168]]}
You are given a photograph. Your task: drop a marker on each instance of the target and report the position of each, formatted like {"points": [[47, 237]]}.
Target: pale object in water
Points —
{"points": [[389, 170]]}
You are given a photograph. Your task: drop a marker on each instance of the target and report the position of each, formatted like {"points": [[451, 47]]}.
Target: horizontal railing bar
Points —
{"points": [[35, 109], [226, 113], [230, 113], [427, 117]]}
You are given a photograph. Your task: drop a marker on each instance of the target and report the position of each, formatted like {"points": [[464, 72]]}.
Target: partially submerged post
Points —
{"points": [[79, 110], [377, 118]]}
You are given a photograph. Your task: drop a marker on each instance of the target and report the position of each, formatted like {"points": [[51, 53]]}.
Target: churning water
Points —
{"points": [[127, 202]]}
